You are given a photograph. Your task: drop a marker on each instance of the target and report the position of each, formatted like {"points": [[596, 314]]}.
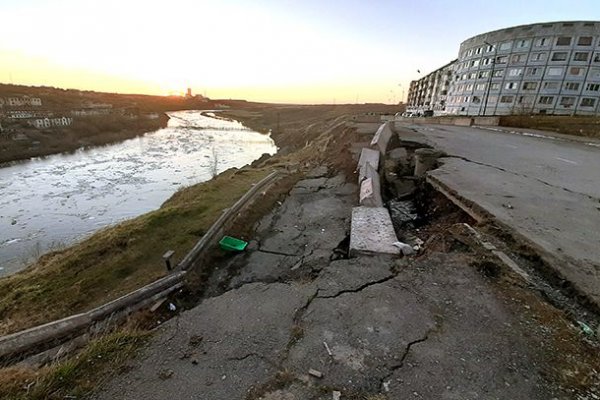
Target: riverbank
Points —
{"points": [[84, 133]]}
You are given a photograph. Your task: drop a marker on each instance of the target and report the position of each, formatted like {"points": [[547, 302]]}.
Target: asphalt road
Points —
{"points": [[547, 190]]}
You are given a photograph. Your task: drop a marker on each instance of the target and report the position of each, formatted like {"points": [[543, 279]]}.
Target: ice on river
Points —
{"points": [[55, 201]]}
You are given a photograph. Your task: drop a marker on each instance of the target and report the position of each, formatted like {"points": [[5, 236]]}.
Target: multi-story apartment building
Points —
{"points": [[430, 92], [546, 68]]}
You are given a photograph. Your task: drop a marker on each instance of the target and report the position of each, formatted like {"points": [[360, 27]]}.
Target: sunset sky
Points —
{"points": [[305, 51]]}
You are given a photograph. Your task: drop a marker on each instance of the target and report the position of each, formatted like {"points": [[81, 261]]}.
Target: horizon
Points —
{"points": [[264, 51]]}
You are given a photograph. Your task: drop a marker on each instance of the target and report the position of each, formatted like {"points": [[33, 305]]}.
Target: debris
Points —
{"points": [[328, 349], [585, 328], [172, 307], [508, 205], [315, 373], [157, 304], [386, 386], [165, 374], [405, 249], [336, 395]]}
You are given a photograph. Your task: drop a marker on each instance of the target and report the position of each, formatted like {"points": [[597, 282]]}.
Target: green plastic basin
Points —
{"points": [[229, 243]]}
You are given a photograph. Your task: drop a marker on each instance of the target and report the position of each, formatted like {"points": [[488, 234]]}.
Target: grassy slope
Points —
{"points": [[116, 260]]}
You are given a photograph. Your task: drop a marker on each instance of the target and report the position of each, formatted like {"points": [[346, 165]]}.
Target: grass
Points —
{"points": [[118, 259], [74, 377]]}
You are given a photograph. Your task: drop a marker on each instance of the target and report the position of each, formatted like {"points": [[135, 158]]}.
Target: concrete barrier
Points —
{"points": [[40, 338], [486, 121], [372, 231], [367, 156], [382, 136], [370, 189], [463, 121], [457, 121]]}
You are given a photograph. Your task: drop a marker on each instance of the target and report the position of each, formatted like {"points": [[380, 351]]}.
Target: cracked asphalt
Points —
{"points": [[545, 190], [431, 327]]}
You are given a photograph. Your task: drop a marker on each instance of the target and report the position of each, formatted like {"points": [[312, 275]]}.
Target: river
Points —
{"points": [[52, 202]]}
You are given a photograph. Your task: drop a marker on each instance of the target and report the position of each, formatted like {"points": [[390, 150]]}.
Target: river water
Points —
{"points": [[52, 202]]}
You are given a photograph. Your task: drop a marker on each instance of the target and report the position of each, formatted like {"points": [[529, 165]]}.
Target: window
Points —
{"points": [[510, 85], [476, 99], [554, 71], [505, 46], [498, 73], [588, 102], [483, 74], [541, 42], [480, 86], [567, 101], [515, 72], [576, 71], [550, 85], [592, 87], [474, 63], [478, 51], [489, 48], [572, 86], [486, 61], [522, 44], [581, 56], [530, 85], [563, 41], [495, 86], [584, 41], [594, 74], [466, 99], [596, 57], [533, 71], [470, 53], [473, 75], [538, 56], [525, 99], [507, 99], [546, 99], [501, 59], [559, 56], [470, 86], [517, 58]]}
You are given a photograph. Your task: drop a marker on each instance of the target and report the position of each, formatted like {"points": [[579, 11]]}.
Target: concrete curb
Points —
{"points": [[40, 338]]}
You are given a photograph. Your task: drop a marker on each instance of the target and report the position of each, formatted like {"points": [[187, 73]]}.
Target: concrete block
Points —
{"points": [[382, 136], [367, 156], [370, 188], [463, 121], [425, 160], [372, 231]]}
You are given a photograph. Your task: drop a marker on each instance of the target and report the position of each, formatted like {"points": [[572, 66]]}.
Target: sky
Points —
{"points": [[303, 51]]}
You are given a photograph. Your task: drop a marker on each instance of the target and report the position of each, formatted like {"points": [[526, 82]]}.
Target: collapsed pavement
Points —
{"points": [[295, 318]]}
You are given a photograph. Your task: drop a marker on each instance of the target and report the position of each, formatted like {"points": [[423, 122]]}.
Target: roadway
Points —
{"points": [[545, 189]]}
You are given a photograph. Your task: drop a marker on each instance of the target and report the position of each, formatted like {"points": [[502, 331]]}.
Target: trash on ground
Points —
{"points": [[585, 328], [328, 349], [315, 373], [172, 307], [229, 243], [406, 249], [336, 395]]}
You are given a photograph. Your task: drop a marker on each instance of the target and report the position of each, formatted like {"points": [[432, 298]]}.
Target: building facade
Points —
{"points": [[430, 92], [545, 68]]}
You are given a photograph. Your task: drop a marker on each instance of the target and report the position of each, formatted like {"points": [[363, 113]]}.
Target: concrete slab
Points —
{"points": [[370, 189], [382, 137], [372, 231], [367, 156]]}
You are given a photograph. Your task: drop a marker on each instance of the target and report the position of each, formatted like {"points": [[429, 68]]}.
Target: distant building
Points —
{"points": [[431, 91], [544, 68], [24, 114], [23, 101], [188, 94], [42, 123], [87, 112]]}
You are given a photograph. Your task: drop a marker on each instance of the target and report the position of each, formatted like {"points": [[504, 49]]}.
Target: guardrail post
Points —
{"points": [[167, 257]]}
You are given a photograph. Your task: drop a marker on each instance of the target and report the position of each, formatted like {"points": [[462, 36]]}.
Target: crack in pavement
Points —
{"points": [[400, 364], [360, 288], [522, 176]]}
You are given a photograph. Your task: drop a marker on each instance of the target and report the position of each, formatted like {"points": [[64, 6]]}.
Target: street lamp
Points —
{"points": [[489, 85]]}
